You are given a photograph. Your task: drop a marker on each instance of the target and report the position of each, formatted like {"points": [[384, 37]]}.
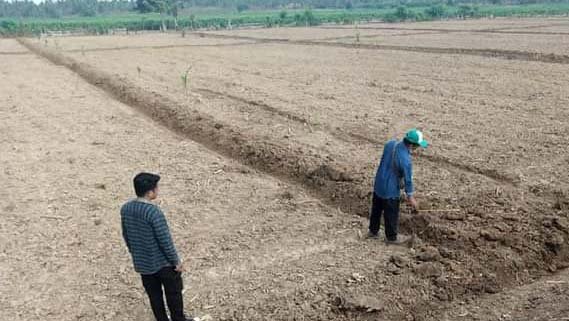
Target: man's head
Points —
{"points": [[414, 139], [146, 185]]}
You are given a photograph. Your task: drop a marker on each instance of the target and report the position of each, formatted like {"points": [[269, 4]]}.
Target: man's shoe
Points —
{"points": [[400, 240], [371, 235]]}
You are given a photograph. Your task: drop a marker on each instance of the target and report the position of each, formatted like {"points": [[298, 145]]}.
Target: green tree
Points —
{"points": [[466, 11], [402, 13], [145, 6], [436, 11]]}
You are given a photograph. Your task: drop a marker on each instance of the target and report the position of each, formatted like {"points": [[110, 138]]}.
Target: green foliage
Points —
{"points": [[185, 78], [468, 11], [436, 11], [403, 13], [153, 21], [307, 18]]}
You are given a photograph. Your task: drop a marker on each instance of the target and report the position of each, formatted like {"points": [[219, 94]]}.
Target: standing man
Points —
{"points": [[154, 255], [394, 173]]}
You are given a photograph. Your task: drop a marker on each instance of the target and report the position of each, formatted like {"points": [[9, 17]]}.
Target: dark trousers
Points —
{"points": [[172, 282], [390, 210]]}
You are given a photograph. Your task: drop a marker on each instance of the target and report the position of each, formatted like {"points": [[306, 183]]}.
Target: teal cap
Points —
{"points": [[415, 136]]}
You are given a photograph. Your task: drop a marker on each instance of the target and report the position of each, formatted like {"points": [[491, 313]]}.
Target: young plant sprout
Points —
{"points": [[185, 78]]}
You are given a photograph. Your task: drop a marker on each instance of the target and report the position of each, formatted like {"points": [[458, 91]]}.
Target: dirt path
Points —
{"points": [[256, 248]]}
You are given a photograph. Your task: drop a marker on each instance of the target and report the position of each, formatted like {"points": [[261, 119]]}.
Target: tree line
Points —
{"points": [[90, 8]]}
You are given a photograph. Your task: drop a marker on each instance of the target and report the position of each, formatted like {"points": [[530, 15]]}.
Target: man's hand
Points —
{"points": [[179, 268], [413, 202]]}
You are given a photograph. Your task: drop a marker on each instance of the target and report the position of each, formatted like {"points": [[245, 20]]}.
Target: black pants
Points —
{"points": [[172, 282], [390, 210]]}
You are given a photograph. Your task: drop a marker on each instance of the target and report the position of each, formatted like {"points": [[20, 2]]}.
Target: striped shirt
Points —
{"points": [[147, 237]]}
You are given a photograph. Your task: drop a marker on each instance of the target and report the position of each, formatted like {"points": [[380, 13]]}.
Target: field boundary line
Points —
{"points": [[159, 47]]}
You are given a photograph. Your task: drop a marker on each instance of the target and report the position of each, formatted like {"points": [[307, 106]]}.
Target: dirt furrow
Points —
{"points": [[348, 136], [353, 137], [373, 36], [14, 53], [159, 47]]}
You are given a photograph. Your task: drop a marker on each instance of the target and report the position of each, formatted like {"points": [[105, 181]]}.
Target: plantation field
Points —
{"points": [[314, 33], [268, 141], [527, 35], [540, 43], [529, 23]]}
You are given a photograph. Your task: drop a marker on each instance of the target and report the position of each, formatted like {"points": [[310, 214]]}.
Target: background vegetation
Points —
{"points": [[101, 17]]}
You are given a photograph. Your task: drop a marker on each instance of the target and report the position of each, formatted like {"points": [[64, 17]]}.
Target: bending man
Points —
{"points": [[394, 173]]}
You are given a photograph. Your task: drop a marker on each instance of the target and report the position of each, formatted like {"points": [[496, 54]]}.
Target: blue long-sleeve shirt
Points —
{"points": [[395, 165], [147, 237]]}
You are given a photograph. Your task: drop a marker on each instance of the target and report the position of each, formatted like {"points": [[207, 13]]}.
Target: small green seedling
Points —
{"points": [[186, 78]]}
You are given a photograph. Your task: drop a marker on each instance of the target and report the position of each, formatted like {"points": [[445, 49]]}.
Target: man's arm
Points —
{"points": [[124, 232], [164, 238], [407, 168], [408, 177]]}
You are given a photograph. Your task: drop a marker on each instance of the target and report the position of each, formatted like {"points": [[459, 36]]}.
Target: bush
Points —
{"points": [[402, 13], [436, 11], [465, 11], [307, 18]]}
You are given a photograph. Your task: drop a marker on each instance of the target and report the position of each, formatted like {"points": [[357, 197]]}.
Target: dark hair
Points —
{"points": [[409, 143], [145, 182]]}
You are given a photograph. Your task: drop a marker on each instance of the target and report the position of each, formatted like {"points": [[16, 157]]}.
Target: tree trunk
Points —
{"points": [[163, 28]]}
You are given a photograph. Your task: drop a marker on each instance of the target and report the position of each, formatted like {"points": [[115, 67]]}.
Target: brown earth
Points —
{"points": [[313, 115], [556, 28], [256, 248], [542, 43], [529, 23], [543, 300], [154, 40], [11, 47]]}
